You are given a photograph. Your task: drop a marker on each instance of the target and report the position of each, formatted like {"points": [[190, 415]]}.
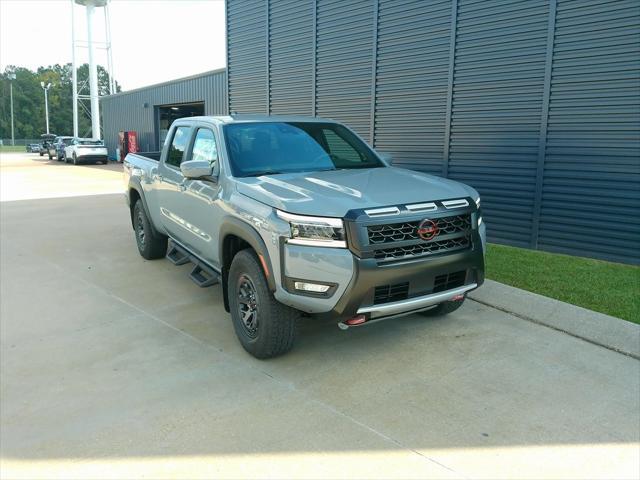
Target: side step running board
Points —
{"points": [[202, 274], [177, 255]]}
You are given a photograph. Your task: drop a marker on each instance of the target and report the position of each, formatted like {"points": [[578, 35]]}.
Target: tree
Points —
{"points": [[28, 100]]}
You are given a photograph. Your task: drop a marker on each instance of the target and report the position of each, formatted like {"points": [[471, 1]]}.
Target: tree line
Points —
{"points": [[28, 100]]}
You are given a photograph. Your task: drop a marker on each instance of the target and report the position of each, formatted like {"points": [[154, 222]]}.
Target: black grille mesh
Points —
{"points": [[423, 248], [398, 232], [391, 293]]}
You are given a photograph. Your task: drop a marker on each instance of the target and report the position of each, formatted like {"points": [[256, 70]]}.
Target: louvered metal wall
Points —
{"points": [[127, 110], [591, 181], [534, 103]]}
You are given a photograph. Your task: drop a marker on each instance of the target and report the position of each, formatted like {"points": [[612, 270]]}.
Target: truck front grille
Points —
{"points": [[396, 241], [398, 232], [442, 246]]}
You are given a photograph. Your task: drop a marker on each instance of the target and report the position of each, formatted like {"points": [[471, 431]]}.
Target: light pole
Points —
{"points": [[46, 101], [11, 77]]}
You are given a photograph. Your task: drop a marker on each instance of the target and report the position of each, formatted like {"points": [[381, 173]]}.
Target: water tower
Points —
{"points": [[90, 45]]}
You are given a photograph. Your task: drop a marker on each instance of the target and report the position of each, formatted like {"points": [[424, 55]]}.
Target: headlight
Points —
{"points": [[477, 200], [315, 231]]}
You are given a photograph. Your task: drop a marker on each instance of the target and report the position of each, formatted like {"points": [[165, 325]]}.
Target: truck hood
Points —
{"points": [[333, 193]]}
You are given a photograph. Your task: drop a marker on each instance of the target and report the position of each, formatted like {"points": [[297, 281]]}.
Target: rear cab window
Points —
{"points": [[178, 146]]}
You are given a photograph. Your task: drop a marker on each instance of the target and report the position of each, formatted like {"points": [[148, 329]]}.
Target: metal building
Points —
{"points": [[149, 111], [536, 103]]}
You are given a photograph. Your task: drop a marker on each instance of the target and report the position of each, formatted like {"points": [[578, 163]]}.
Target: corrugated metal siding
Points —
{"points": [[497, 103], [411, 82], [344, 62], [126, 111], [591, 189], [534, 103], [247, 56], [291, 56]]}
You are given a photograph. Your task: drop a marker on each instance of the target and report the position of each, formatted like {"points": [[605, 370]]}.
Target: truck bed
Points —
{"points": [[154, 156]]}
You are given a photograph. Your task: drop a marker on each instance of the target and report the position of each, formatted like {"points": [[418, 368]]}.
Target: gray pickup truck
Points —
{"points": [[299, 217]]}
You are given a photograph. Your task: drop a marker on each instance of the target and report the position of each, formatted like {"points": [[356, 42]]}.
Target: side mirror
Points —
{"points": [[386, 158], [196, 169]]}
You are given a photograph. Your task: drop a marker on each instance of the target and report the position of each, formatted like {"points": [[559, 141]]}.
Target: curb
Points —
{"points": [[604, 330]]}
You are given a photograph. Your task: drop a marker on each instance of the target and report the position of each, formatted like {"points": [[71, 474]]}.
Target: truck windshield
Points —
{"points": [[263, 148]]}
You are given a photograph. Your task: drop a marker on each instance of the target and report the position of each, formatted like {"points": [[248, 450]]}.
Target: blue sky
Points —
{"points": [[153, 41]]}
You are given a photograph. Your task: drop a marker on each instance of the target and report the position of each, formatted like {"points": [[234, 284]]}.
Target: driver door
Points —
{"points": [[201, 197]]}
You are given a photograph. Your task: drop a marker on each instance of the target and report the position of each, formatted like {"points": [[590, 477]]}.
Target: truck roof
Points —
{"points": [[247, 118]]}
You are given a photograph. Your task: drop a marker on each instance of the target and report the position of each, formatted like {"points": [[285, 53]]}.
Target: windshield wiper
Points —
{"points": [[261, 173]]}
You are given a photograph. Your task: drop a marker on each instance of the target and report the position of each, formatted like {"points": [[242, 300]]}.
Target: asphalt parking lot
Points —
{"points": [[112, 366]]}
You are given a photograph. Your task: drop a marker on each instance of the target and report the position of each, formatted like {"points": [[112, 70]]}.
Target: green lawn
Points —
{"points": [[9, 148], [606, 287]]}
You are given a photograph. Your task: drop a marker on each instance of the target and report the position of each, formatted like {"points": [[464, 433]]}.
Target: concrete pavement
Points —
{"points": [[116, 367]]}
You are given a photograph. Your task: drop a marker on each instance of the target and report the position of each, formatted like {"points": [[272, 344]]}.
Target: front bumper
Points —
{"points": [[423, 276]]}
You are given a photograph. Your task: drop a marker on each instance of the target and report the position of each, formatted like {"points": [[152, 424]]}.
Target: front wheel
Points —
{"points": [[75, 159], [265, 327], [151, 245]]}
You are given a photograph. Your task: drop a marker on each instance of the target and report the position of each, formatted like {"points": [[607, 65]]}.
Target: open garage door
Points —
{"points": [[167, 114]]}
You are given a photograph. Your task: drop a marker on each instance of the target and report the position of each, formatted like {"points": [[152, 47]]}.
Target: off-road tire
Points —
{"points": [[443, 309], [277, 324], [151, 245]]}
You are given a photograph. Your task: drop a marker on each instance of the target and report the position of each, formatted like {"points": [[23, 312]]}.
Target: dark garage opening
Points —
{"points": [[167, 114]]}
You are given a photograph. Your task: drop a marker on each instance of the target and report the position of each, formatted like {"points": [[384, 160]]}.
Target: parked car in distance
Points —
{"points": [[47, 140], [298, 217], [85, 150], [56, 149], [33, 148]]}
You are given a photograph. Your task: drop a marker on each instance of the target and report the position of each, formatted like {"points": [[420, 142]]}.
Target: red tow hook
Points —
{"points": [[352, 322], [357, 320], [457, 298]]}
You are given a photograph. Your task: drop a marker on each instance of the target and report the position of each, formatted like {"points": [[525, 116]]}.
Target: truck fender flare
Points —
{"points": [[134, 184], [244, 231]]}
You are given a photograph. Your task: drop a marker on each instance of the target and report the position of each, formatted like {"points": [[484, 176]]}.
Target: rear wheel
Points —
{"points": [[151, 245], [443, 308], [265, 327]]}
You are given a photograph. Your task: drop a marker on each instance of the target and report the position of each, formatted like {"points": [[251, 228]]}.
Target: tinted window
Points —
{"points": [[178, 146], [277, 147], [90, 142], [204, 146]]}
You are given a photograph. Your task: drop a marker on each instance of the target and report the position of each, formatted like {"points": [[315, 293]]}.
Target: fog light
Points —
{"points": [[311, 287]]}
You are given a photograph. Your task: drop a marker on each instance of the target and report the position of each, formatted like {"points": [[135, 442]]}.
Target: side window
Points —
{"points": [[339, 149], [178, 146], [204, 146]]}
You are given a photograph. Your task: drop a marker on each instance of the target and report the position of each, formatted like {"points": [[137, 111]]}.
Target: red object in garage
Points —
{"points": [[128, 143]]}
